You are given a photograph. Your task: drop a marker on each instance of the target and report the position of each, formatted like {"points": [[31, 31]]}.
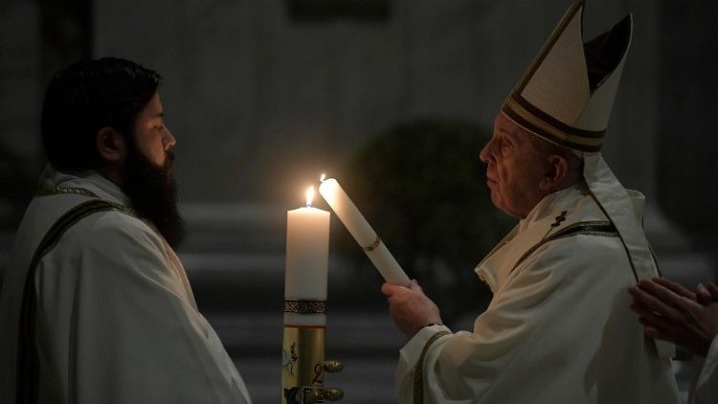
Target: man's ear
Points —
{"points": [[110, 145], [556, 173]]}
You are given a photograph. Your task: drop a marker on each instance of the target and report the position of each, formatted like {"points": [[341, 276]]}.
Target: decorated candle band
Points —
{"points": [[362, 232], [305, 313]]}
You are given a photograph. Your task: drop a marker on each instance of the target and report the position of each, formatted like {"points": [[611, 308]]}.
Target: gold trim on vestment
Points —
{"points": [[419, 370], [49, 191], [45, 191], [591, 228]]}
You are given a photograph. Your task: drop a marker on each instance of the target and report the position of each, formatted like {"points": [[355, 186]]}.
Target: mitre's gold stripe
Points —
{"points": [[587, 141]]}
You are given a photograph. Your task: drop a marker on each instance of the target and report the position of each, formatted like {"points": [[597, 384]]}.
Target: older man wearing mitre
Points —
{"points": [[559, 328]]}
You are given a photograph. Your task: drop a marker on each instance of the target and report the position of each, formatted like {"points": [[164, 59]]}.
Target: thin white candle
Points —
{"points": [[307, 261], [362, 232]]}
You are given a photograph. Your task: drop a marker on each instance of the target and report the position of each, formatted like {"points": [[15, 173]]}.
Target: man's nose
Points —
{"points": [[485, 153], [168, 141]]}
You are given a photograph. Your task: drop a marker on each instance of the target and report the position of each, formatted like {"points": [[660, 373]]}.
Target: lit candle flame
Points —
{"points": [[322, 177], [310, 196]]}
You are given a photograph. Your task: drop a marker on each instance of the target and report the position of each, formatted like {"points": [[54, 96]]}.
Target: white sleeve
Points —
{"points": [[559, 327], [462, 367]]}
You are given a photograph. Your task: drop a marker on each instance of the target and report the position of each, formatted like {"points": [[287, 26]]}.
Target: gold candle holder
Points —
{"points": [[303, 364]]}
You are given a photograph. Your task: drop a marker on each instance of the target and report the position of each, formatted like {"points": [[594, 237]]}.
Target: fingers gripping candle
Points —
{"points": [[362, 232]]}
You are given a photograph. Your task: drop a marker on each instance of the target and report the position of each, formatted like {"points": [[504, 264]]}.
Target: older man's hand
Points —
{"points": [[673, 313], [410, 308]]}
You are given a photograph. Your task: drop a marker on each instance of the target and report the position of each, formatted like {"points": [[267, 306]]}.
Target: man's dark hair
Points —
{"points": [[86, 97]]}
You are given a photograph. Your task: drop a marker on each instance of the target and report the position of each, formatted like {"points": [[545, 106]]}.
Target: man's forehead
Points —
{"points": [[154, 109], [506, 127]]}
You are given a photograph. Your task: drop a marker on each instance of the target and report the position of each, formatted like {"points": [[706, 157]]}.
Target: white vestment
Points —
{"points": [[558, 329], [115, 317], [705, 386]]}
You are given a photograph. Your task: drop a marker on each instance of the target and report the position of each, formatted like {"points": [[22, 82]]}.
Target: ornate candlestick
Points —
{"points": [[305, 294]]}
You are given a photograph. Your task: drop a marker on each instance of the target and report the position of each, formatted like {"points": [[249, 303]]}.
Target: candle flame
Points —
{"points": [[322, 177], [310, 196]]}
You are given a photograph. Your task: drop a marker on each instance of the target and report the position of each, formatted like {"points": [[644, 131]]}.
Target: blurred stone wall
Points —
{"points": [[687, 133], [263, 100], [20, 94]]}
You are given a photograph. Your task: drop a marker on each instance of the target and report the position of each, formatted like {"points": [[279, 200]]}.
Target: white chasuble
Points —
{"points": [[558, 329], [115, 319]]}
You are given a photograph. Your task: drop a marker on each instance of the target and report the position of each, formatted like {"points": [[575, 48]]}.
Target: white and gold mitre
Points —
{"points": [[565, 97], [567, 93]]}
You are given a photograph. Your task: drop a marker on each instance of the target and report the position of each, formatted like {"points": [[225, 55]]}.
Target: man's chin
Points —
{"points": [[153, 191], [498, 202]]}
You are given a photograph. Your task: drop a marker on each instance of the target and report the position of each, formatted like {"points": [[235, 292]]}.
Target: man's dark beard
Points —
{"points": [[153, 193]]}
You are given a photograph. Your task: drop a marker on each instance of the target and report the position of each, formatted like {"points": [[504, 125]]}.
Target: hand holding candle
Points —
{"points": [[362, 232]]}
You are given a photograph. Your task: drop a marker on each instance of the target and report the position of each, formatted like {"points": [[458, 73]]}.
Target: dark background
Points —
{"points": [[263, 96]]}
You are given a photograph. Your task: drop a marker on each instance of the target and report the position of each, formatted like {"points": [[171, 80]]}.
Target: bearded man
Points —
{"points": [[96, 306]]}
